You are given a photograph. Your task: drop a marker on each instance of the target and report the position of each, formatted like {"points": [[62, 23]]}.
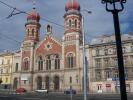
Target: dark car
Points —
{"points": [[20, 90], [70, 91]]}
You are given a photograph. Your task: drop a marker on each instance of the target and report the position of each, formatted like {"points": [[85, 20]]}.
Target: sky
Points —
{"points": [[97, 23]]}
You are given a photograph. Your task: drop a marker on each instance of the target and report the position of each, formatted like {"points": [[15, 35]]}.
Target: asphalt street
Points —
{"points": [[56, 96]]}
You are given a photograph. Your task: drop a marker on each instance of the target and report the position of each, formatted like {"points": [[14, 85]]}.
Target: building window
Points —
{"points": [[125, 60], [99, 87], [28, 31], [16, 67], [128, 88], [116, 75], [114, 50], [76, 23], [7, 70], [1, 71], [70, 79], [108, 74], [105, 51], [131, 48], [124, 49], [25, 81], [115, 61], [48, 63], [26, 64], [6, 79], [106, 62], [70, 23], [57, 62], [2, 61], [8, 61], [131, 57], [70, 60], [97, 52], [98, 75], [32, 32], [40, 64], [98, 63], [126, 74], [77, 78], [48, 28]]}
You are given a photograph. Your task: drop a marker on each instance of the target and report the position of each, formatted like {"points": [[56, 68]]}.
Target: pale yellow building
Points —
{"points": [[6, 62], [16, 70]]}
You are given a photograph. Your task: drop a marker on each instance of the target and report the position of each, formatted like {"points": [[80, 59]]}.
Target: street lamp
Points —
{"points": [[114, 10], [84, 59]]}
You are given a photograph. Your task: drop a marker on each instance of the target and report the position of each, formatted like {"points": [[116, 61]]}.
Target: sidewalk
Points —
{"points": [[5, 91]]}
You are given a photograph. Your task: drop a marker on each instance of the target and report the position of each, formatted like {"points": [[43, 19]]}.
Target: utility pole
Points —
{"points": [[115, 12]]}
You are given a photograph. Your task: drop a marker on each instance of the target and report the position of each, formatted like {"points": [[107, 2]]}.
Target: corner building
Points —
{"points": [[103, 64], [51, 63]]}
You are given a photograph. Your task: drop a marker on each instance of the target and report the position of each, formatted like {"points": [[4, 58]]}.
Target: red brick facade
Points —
{"points": [[42, 48]]}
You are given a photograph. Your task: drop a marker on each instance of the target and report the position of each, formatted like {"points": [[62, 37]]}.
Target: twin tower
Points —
{"points": [[49, 49], [72, 23]]}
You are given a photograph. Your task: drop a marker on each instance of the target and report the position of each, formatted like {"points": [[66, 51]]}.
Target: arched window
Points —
{"points": [[70, 79], [76, 23], [32, 32], [48, 63], [40, 63], [28, 31], [57, 62], [26, 64], [70, 23], [70, 60], [48, 28]]}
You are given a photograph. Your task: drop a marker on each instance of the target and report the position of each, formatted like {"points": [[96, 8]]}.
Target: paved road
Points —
{"points": [[58, 97]]}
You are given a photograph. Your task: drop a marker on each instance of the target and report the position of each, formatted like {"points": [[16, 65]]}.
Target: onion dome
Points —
{"points": [[33, 15], [72, 4]]}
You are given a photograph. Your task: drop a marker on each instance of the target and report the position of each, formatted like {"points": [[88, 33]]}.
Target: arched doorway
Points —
{"points": [[15, 83], [56, 83], [39, 82], [47, 82]]}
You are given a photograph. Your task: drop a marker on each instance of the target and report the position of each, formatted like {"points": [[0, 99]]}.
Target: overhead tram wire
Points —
{"points": [[3, 19], [10, 38], [29, 14], [20, 11]]}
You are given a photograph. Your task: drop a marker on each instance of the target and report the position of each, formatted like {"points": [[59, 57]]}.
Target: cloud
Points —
{"points": [[124, 26], [97, 23]]}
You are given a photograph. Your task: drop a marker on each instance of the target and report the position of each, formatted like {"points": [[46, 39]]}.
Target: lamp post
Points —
{"points": [[1, 77], [114, 10], [84, 59]]}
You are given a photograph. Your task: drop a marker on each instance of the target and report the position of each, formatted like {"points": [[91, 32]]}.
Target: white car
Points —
{"points": [[42, 91]]}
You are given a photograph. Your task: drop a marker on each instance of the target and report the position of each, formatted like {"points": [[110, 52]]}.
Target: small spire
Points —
{"points": [[72, 2], [34, 4], [49, 29]]}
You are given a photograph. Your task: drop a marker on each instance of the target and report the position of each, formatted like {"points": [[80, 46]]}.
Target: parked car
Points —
{"points": [[42, 91], [69, 91], [20, 90]]}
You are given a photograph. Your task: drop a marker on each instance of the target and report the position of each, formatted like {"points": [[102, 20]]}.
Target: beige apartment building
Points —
{"points": [[103, 68]]}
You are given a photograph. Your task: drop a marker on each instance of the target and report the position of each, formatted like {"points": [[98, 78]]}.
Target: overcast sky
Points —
{"points": [[100, 22]]}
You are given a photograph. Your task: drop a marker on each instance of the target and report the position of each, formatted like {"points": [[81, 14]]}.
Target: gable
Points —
{"points": [[48, 45]]}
